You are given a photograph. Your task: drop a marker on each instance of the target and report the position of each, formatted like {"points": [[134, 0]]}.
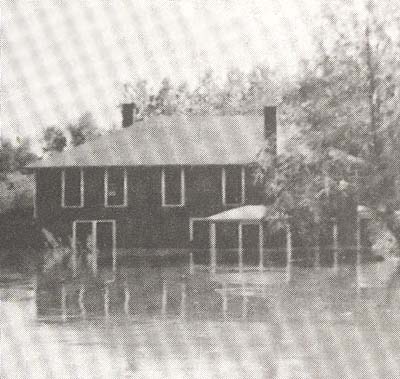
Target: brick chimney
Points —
{"points": [[128, 111], [270, 124]]}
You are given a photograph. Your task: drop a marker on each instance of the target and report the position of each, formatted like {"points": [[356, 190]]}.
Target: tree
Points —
{"points": [[15, 188], [345, 106], [7, 157], [84, 130], [165, 99], [13, 158], [182, 98], [207, 96], [54, 139], [23, 153], [234, 93], [262, 89]]}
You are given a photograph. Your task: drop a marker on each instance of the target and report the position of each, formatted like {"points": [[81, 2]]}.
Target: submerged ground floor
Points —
{"points": [[242, 237]]}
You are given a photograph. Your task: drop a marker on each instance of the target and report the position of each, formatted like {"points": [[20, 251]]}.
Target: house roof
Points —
{"points": [[170, 140]]}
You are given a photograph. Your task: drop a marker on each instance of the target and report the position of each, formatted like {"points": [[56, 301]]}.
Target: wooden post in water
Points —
{"points": [[106, 301], [244, 302], [34, 309], [164, 299], [191, 263], [261, 245], [127, 299], [74, 252], [63, 302], [213, 248], [240, 247], [358, 238], [94, 247], [317, 247], [81, 301], [114, 246], [288, 253], [335, 246], [317, 263], [34, 190], [358, 241], [183, 300], [224, 300]]}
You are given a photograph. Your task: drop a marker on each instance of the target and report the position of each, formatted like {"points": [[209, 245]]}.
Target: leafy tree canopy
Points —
{"points": [[83, 130], [240, 92], [14, 157], [54, 139], [345, 105]]}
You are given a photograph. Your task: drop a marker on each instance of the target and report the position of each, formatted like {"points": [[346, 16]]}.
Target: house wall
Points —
{"points": [[144, 223]]}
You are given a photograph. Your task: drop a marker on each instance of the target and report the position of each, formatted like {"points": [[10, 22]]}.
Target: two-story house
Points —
{"points": [[136, 190]]}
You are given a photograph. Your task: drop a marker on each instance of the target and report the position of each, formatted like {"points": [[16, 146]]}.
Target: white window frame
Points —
{"points": [[125, 203], [82, 190], [183, 190], [243, 187]]}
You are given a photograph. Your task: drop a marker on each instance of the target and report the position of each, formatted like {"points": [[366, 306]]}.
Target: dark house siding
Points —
{"points": [[144, 223]]}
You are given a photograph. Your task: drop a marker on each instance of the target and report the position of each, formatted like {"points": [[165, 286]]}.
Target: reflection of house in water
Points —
{"points": [[135, 295], [153, 293]]}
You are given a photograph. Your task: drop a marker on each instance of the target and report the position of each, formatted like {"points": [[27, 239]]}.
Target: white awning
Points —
{"points": [[245, 213], [260, 212]]}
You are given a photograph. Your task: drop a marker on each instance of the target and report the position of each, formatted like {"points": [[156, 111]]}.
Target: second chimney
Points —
{"points": [[128, 114], [270, 125]]}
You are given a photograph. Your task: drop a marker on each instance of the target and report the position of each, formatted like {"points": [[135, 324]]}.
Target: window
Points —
{"points": [[173, 187], [72, 188], [115, 187], [233, 185]]}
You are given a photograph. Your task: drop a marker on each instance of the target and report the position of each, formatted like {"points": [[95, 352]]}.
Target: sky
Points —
{"points": [[61, 58]]}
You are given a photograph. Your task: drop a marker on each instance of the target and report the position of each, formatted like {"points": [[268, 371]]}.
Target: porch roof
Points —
{"points": [[245, 213], [262, 212]]}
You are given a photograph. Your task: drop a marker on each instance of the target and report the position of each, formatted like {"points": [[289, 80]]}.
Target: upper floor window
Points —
{"points": [[173, 187], [72, 188], [115, 187], [233, 185]]}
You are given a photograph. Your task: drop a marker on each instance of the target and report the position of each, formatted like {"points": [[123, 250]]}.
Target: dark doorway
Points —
{"points": [[326, 244], [104, 239], [84, 242], [200, 243], [275, 245], [251, 254], [227, 244]]}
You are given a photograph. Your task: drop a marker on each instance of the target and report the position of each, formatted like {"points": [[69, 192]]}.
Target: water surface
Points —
{"points": [[164, 322]]}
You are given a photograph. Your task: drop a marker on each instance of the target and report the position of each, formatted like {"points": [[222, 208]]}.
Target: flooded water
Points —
{"points": [[168, 322]]}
